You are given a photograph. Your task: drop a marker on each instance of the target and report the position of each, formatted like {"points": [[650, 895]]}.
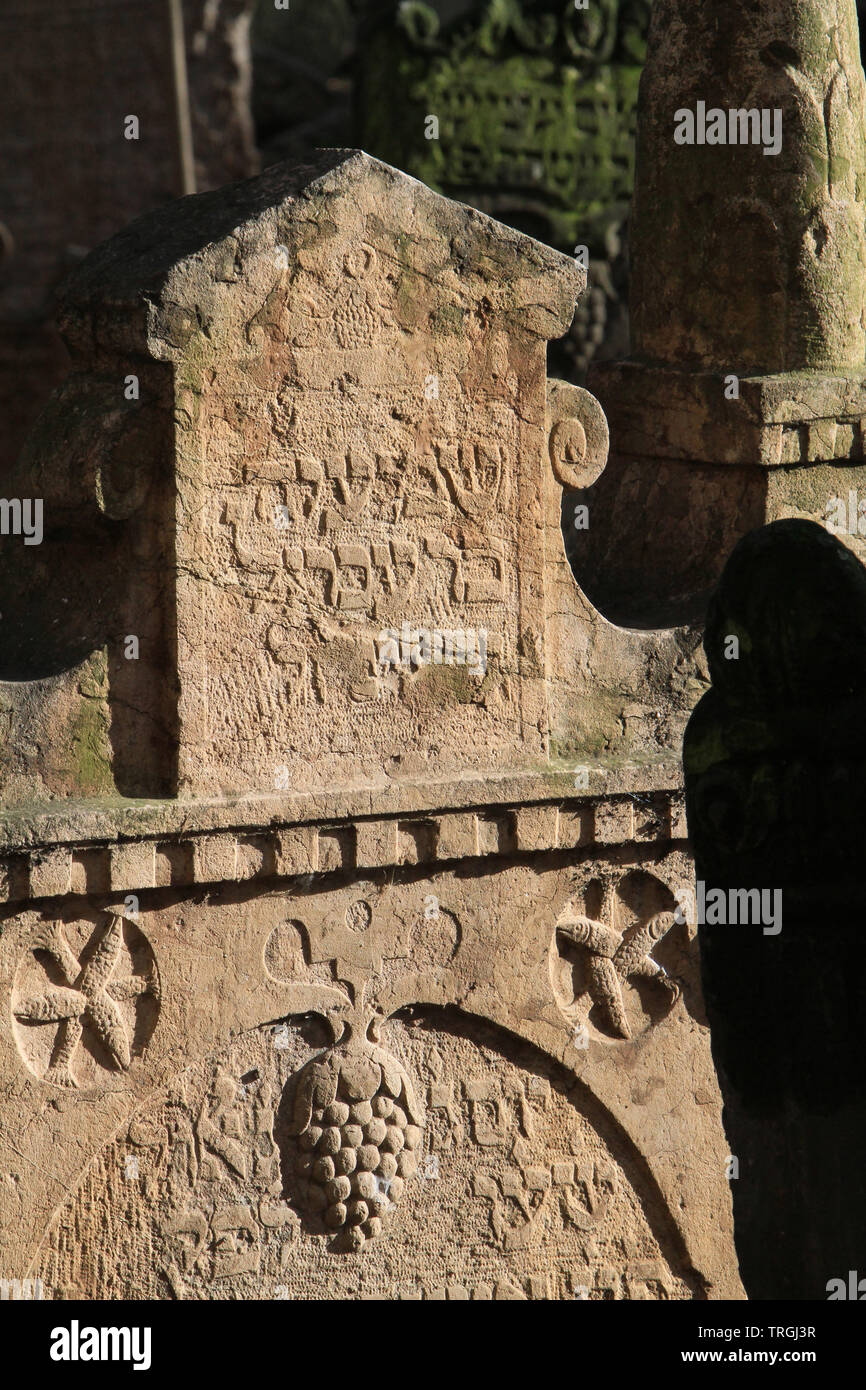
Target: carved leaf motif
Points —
{"points": [[52, 1006], [91, 997]]}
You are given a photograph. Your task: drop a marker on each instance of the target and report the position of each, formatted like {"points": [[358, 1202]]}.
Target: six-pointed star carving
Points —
{"points": [[611, 958], [88, 996]]}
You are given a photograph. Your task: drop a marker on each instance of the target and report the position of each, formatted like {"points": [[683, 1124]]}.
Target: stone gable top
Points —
{"points": [[148, 262]]}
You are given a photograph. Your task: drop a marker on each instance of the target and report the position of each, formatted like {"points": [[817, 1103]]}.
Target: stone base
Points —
{"points": [[190, 1016], [780, 420]]}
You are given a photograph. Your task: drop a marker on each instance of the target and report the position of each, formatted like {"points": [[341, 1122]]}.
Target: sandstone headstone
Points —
{"points": [[365, 448], [374, 989]]}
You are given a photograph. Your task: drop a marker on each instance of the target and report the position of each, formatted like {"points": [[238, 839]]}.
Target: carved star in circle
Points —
{"points": [[88, 998], [611, 959]]}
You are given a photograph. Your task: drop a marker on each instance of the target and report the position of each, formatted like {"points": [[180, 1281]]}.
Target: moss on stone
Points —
{"points": [[91, 769]]}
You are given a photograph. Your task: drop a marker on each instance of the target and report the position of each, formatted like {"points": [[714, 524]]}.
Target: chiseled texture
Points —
{"points": [[344, 425], [743, 400], [322, 975]]}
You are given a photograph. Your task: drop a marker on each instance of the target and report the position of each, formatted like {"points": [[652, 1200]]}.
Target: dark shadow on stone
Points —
{"points": [[649, 555], [775, 766], [100, 469]]}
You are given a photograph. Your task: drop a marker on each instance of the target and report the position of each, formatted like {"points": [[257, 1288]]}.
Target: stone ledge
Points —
{"points": [[779, 420], [188, 859], [27, 826]]}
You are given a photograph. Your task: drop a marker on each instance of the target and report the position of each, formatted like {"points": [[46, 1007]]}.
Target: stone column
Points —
{"points": [[743, 400]]}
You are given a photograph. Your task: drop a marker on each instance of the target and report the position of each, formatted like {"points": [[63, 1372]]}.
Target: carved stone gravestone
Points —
{"points": [[526, 111], [353, 969]]}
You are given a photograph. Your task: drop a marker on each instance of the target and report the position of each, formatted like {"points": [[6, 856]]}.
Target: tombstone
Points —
{"points": [[774, 768], [339, 921], [534, 109]]}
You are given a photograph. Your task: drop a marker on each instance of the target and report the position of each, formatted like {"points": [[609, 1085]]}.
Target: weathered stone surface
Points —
{"points": [[548, 1143], [345, 436], [748, 303], [376, 990], [774, 421], [535, 109], [767, 251]]}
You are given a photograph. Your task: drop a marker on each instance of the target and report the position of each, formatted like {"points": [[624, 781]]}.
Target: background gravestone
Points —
{"points": [[535, 106]]}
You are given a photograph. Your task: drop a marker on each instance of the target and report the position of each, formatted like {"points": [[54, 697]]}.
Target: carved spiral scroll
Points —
{"points": [[578, 438]]}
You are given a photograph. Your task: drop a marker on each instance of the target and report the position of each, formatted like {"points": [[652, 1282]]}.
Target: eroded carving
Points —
{"points": [[579, 437], [550, 1205], [610, 958], [85, 1000], [357, 1124]]}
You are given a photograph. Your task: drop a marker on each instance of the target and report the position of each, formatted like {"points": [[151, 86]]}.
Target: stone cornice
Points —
{"points": [[177, 846]]}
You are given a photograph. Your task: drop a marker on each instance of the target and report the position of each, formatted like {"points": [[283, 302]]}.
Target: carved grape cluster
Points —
{"points": [[355, 323], [356, 1122]]}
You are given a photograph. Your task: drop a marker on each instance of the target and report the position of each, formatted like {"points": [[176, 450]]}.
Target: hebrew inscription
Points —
{"points": [[371, 404], [519, 1186]]}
